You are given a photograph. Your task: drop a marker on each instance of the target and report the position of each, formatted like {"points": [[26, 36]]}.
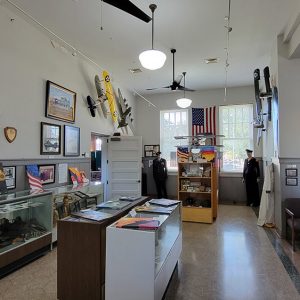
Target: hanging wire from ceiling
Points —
{"points": [[73, 49], [228, 31], [101, 15]]}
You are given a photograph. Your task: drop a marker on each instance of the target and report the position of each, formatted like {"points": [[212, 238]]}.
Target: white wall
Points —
{"points": [[27, 61], [289, 103], [148, 123]]}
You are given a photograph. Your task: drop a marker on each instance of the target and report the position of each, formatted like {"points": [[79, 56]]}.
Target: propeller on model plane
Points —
{"points": [[175, 85]]}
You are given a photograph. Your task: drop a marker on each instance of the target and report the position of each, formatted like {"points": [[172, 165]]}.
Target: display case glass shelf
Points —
{"points": [[24, 219]]}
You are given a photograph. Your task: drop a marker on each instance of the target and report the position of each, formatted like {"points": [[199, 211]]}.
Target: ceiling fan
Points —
{"points": [[130, 8], [175, 85]]}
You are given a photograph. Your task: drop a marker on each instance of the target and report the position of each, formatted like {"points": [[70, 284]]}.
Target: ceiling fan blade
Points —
{"points": [[164, 87], [179, 78], [130, 8], [182, 88]]}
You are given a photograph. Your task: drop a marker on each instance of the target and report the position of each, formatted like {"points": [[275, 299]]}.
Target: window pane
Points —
{"points": [[177, 125], [238, 132]]}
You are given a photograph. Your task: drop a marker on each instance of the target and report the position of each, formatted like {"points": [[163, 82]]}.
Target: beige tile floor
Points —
{"points": [[230, 259]]}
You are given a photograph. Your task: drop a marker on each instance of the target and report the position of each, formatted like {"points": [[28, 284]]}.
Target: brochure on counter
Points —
{"points": [[164, 202], [130, 198], [138, 223], [153, 210], [91, 215]]}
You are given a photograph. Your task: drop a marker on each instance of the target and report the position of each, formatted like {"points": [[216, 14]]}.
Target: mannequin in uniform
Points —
{"points": [[251, 176], [160, 175]]}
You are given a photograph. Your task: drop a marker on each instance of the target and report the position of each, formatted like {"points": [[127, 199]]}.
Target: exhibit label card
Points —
{"points": [[62, 173]]}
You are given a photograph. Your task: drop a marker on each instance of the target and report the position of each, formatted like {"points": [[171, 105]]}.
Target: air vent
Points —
{"points": [[134, 71], [211, 60]]}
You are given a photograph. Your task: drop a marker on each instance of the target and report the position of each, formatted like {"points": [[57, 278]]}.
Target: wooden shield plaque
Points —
{"points": [[10, 133]]}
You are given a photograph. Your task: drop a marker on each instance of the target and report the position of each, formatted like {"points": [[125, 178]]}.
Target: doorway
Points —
{"points": [[98, 157]]}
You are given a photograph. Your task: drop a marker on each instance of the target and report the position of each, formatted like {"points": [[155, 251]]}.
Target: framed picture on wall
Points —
{"points": [[291, 172], [151, 150], [60, 103], [291, 181], [47, 173], [71, 141], [10, 177], [50, 138]]}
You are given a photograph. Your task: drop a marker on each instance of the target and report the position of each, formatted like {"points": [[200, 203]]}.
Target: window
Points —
{"points": [[236, 124], [172, 123]]}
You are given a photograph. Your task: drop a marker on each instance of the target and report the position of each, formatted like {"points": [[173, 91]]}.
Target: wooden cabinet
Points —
{"points": [[198, 191]]}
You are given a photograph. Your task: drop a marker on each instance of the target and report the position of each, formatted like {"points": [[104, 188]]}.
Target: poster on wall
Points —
{"points": [[62, 173], [71, 141], [10, 177]]}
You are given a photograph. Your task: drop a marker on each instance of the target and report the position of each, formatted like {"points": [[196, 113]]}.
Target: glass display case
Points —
{"points": [[140, 257], [70, 198], [24, 219]]}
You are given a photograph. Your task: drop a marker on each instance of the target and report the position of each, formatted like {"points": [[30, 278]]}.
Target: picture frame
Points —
{"points": [[50, 139], [10, 177], [291, 181], [60, 103], [47, 173], [71, 140], [291, 172], [151, 150]]}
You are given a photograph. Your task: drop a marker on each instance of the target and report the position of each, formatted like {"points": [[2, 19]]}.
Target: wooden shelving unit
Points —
{"points": [[198, 205]]}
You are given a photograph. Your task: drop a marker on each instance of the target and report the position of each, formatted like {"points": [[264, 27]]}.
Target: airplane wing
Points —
{"points": [[101, 96]]}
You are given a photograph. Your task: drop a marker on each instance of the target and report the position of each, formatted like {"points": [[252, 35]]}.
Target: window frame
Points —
{"points": [[176, 142], [250, 138]]}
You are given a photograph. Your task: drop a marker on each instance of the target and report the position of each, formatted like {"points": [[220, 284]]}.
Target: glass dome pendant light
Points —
{"points": [[152, 59], [184, 102]]}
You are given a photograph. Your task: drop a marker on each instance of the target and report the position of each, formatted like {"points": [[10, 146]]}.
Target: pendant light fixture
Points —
{"points": [[152, 59], [184, 102]]}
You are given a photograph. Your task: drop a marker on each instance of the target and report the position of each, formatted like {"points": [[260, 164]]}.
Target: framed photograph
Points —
{"points": [[291, 181], [50, 138], [151, 150], [291, 172], [47, 173], [71, 141], [10, 177], [60, 103]]}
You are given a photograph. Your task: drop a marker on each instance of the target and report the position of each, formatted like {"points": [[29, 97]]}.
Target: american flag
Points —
{"points": [[204, 120], [34, 177], [182, 154]]}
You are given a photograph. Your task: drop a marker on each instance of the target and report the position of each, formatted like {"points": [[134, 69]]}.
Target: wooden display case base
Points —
{"points": [[197, 214]]}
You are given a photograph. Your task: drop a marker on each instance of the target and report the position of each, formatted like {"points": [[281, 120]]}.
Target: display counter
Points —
{"points": [[81, 252], [140, 261], [25, 228]]}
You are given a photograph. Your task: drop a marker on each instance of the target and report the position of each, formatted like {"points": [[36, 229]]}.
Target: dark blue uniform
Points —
{"points": [[160, 175], [250, 174]]}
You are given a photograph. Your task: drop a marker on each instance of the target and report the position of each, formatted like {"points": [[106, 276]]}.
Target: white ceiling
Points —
{"points": [[195, 28]]}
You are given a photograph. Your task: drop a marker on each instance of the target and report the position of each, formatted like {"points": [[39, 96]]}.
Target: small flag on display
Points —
{"points": [[34, 177], [204, 120], [182, 154]]}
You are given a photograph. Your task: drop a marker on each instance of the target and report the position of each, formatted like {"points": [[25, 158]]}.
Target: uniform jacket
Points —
{"points": [[160, 171], [251, 168]]}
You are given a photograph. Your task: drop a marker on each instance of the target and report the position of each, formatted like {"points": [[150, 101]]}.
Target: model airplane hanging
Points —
{"points": [[259, 122], [92, 104], [125, 111], [130, 8]]}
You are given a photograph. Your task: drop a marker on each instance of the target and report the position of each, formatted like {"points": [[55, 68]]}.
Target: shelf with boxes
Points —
{"points": [[197, 189]]}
